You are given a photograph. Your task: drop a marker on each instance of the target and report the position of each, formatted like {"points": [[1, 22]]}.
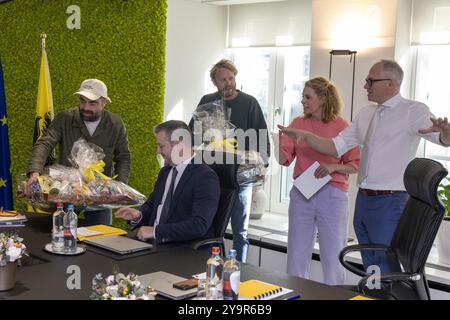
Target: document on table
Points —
{"points": [[307, 184], [99, 230], [86, 232], [199, 276]]}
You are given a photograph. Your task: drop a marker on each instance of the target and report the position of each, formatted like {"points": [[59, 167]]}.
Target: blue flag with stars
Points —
{"points": [[6, 202]]}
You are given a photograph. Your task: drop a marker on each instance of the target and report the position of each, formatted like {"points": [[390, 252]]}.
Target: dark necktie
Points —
{"points": [[166, 205]]}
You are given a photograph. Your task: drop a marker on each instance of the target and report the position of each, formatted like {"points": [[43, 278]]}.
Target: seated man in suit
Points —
{"points": [[186, 194]]}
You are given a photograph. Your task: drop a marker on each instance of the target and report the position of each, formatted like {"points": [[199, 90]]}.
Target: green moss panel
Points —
{"points": [[120, 42]]}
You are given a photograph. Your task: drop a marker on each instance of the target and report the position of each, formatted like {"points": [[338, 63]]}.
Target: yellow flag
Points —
{"points": [[44, 106]]}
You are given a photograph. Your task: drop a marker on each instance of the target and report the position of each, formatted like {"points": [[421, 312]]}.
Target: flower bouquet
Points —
{"points": [[11, 248], [218, 134], [251, 169], [84, 184], [120, 287], [211, 124]]}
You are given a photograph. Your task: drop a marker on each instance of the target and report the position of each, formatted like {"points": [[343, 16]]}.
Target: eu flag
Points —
{"points": [[6, 202]]}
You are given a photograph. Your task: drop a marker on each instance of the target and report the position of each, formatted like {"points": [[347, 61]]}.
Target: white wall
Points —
{"points": [[367, 26], [196, 39]]}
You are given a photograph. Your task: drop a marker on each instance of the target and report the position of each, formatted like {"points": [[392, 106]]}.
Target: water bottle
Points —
{"points": [[70, 230], [214, 268], [58, 229], [231, 277]]}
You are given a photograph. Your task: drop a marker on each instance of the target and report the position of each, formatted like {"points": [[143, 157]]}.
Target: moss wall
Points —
{"points": [[119, 42]]}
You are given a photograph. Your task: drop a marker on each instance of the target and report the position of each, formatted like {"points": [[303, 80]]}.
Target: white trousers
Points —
{"points": [[325, 214]]}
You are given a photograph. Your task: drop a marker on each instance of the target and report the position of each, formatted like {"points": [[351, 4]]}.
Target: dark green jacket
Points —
{"points": [[68, 127]]}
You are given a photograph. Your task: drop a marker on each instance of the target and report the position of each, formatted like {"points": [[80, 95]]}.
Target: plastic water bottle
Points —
{"points": [[214, 269], [58, 229], [231, 277], [70, 230]]}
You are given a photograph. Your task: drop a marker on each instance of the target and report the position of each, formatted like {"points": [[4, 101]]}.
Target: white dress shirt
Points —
{"points": [[394, 142], [180, 169]]}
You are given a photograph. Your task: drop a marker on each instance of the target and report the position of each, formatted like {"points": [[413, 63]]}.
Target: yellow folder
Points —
{"points": [[104, 231]]}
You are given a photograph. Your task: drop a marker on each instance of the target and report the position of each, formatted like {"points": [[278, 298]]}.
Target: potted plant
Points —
{"points": [[443, 238], [11, 249]]}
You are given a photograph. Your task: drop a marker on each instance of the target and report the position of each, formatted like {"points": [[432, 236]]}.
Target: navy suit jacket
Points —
{"points": [[193, 206]]}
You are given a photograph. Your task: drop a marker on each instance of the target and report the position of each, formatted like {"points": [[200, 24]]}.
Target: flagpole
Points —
{"points": [[43, 36]]}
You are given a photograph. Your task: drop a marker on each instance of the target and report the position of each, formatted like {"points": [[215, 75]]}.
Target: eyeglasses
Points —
{"points": [[370, 81]]}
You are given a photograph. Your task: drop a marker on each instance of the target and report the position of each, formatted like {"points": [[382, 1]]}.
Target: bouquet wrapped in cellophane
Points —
{"points": [[218, 134], [251, 168], [212, 126], [81, 185]]}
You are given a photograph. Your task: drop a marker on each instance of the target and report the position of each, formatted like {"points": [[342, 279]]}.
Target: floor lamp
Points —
{"points": [[352, 55]]}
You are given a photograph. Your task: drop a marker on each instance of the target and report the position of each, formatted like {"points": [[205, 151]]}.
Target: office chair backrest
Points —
{"points": [[225, 165], [422, 216], [228, 193]]}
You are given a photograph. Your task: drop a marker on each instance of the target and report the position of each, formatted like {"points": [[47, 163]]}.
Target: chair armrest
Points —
{"points": [[197, 244], [359, 247], [388, 277]]}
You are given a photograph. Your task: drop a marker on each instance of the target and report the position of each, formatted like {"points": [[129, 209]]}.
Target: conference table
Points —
{"points": [[47, 276]]}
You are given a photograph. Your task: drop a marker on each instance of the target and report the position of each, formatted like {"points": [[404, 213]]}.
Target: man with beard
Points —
{"points": [[243, 111], [91, 122], [186, 195]]}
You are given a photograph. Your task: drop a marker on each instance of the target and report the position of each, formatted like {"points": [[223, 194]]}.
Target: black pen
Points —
{"points": [[295, 296]]}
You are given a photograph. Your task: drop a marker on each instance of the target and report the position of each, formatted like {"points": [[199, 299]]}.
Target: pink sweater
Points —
{"points": [[306, 156]]}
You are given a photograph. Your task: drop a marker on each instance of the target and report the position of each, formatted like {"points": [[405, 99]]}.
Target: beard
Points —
{"points": [[228, 92], [90, 116]]}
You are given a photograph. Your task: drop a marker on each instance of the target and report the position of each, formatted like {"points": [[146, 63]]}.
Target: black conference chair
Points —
{"points": [[225, 165], [412, 239]]}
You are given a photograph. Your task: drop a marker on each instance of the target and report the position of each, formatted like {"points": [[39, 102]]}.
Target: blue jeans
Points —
{"points": [[375, 221], [240, 216], [94, 217]]}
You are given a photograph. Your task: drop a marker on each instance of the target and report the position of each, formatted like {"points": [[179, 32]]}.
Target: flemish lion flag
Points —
{"points": [[44, 106]]}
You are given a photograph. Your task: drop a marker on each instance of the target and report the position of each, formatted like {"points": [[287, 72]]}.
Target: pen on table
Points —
{"points": [[293, 297]]}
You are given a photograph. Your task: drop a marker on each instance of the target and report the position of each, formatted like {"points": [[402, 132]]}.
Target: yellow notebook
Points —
{"points": [[359, 297], [98, 231], [259, 290]]}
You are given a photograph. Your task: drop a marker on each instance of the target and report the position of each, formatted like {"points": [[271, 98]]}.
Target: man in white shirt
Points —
{"points": [[186, 195], [388, 134]]}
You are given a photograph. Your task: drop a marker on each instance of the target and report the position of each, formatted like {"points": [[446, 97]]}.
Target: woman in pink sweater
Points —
{"points": [[326, 212]]}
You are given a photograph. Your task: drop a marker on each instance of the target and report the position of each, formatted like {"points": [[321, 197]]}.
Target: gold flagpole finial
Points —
{"points": [[43, 36]]}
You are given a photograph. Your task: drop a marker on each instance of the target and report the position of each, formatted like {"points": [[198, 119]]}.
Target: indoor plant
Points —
{"points": [[443, 238]]}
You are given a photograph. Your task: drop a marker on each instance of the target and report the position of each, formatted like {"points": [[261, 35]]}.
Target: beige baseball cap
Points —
{"points": [[93, 89]]}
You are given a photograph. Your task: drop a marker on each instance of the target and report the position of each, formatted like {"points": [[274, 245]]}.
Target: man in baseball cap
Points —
{"points": [[93, 89], [91, 122], [93, 99]]}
